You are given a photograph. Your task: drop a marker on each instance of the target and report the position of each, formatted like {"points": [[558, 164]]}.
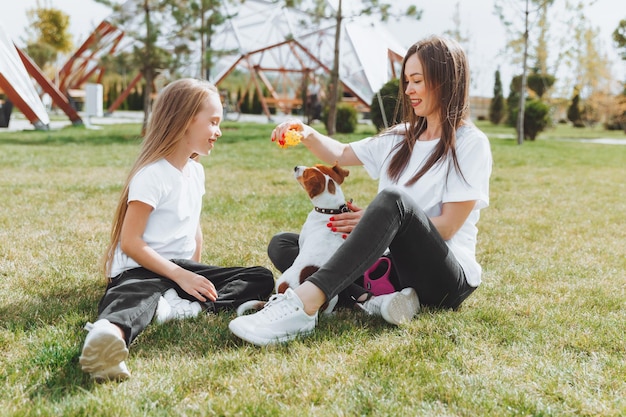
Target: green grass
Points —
{"points": [[543, 336]]}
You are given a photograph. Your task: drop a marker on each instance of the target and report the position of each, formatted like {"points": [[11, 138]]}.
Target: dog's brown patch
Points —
{"points": [[307, 271], [335, 172], [313, 182], [282, 287]]}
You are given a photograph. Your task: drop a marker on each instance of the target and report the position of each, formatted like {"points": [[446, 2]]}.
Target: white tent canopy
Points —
{"points": [[14, 79]]}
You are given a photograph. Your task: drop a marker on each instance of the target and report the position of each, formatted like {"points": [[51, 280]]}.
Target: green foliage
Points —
{"points": [[536, 118], [256, 106], [512, 101], [49, 34], [41, 53], [574, 114], [389, 96], [496, 106], [540, 83], [346, 118], [619, 36], [52, 28]]}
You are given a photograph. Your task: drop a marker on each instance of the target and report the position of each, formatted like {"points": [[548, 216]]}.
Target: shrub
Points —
{"points": [[346, 118], [573, 111], [497, 108], [389, 95], [536, 118]]}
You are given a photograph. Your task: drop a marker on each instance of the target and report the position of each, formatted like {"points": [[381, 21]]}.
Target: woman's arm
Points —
{"points": [[452, 217], [325, 148], [133, 245]]}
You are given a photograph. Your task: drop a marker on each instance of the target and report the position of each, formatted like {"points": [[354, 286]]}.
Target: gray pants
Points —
{"points": [[420, 257], [131, 298]]}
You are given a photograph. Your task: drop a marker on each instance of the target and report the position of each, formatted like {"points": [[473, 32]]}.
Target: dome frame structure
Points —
{"points": [[283, 48]]}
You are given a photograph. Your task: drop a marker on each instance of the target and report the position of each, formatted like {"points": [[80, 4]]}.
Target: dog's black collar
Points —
{"points": [[343, 209]]}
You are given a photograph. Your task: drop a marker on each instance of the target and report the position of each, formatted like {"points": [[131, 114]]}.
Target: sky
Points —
{"points": [[477, 22]]}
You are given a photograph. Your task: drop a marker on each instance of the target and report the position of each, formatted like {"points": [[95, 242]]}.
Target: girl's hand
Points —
{"points": [[196, 285], [346, 222]]}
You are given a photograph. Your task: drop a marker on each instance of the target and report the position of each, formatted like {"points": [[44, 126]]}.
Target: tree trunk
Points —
{"points": [[522, 93], [148, 73], [334, 80]]}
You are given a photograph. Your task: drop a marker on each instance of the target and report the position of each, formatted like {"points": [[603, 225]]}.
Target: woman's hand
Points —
{"points": [[346, 222], [196, 285], [281, 129]]}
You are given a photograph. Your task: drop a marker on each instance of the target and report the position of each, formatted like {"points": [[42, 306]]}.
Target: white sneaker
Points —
{"points": [[395, 308], [172, 307], [104, 352], [281, 320]]}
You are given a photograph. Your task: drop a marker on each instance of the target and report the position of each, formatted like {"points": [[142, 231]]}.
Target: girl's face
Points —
{"points": [[205, 127], [422, 100]]}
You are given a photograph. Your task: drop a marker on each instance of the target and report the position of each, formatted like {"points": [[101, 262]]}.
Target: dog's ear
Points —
{"points": [[340, 173], [331, 187], [313, 182], [336, 172]]}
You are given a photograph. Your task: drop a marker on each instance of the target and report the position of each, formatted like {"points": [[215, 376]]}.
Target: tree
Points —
{"points": [[198, 20], [384, 109], [536, 118], [49, 34], [539, 83], [573, 111], [619, 36], [322, 10], [496, 107], [148, 22], [520, 42]]}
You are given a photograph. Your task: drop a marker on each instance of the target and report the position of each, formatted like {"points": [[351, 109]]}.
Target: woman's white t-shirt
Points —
{"points": [[441, 184], [176, 199]]}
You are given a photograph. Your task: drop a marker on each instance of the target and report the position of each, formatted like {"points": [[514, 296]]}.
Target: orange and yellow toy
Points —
{"points": [[290, 138]]}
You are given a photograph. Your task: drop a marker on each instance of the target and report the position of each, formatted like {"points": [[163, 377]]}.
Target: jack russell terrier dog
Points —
{"points": [[316, 241]]}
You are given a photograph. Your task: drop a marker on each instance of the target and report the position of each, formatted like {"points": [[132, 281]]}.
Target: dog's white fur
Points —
{"points": [[317, 241]]}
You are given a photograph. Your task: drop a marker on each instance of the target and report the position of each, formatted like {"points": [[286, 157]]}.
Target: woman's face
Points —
{"points": [[420, 97], [205, 127]]}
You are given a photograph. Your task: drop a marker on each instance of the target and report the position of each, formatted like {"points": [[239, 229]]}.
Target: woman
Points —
{"points": [[433, 172]]}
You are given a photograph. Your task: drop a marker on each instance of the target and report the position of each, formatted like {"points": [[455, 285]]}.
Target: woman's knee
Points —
{"points": [[283, 249]]}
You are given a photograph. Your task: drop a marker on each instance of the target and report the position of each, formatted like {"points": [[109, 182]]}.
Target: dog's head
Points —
{"points": [[322, 184]]}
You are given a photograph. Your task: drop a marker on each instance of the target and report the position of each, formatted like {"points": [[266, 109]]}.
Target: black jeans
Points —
{"points": [[131, 298], [420, 256]]}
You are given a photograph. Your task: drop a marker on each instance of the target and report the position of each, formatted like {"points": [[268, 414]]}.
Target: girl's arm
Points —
{"points": [[452, 217], [133, 245], [325, 148]]}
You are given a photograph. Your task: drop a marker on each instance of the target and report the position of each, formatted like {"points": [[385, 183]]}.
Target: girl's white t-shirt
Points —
{"points": [[441, 184], [176, 199]]}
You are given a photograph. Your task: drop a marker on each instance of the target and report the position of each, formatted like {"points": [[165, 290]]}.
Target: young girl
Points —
{"points": [[433, 172], [156, 239]]}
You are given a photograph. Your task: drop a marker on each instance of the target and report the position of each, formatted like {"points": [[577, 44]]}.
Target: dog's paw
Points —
{"points": [[251, 306]]}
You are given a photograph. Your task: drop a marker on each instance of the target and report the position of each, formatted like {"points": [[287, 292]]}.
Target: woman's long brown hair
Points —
{"points": [[176, 106], [446, 74]]}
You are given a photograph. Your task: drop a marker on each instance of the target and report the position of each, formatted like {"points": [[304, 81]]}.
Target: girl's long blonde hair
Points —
{"points": [[446, 73], [176, 106]]}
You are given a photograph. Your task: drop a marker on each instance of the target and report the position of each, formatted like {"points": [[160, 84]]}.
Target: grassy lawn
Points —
{"points": [[543, 336]]}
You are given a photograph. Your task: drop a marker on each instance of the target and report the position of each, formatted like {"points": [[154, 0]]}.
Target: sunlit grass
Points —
{"points": [[544, 334]]}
